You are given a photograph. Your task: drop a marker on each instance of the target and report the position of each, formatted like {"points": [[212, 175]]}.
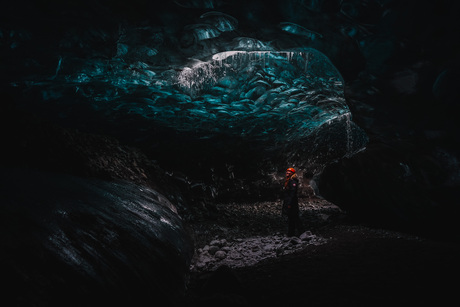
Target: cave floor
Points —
{"points": [[356, 265]]}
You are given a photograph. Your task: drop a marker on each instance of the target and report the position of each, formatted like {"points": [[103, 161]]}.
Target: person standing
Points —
{"points": [[291, 203]]}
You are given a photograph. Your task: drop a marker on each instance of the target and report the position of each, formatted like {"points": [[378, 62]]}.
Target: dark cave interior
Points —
{"points": [[198, 102]]}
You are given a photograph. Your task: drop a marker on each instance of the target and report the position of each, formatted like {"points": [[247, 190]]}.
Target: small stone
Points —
{"points": [[306, 236], [220, 254], [200, 265], [215, 243], [295, 241], [213, 249], [223, 242]]}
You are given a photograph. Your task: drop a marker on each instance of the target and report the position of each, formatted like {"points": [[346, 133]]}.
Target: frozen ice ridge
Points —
{"points": [[244, 64]]}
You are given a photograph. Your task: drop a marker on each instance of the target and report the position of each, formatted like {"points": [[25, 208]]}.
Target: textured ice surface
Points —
{"points": [[134, 85], [261, 93], [282, 96], [71, 230]]}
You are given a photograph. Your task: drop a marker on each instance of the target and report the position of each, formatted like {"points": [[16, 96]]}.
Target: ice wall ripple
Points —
{"points": [[87, 240]]}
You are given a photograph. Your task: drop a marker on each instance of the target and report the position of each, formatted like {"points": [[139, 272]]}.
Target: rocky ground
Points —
{"points": [[243, 258], [241, 235]]}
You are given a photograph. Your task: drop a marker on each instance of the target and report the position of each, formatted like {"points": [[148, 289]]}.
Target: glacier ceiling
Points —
{"points": [[190, 95]]}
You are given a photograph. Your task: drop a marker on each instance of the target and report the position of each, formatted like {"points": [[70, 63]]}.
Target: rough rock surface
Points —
{"points": [[249, 251], [245, 234], [349, 265]]}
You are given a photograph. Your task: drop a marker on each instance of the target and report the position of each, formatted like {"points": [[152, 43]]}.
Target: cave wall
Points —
{"points": [[406, 101]]}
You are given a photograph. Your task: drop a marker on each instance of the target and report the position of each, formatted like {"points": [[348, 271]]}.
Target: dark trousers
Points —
{"points": [[294, 223]]}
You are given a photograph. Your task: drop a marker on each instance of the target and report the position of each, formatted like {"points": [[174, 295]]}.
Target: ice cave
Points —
{"points": [[145, 145]]}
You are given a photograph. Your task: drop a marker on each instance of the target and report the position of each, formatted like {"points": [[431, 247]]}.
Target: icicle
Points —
{"points": [[57, 68]]}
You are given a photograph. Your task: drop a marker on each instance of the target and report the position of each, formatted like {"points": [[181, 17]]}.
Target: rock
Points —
{"points": [[306, 236], [268, 247], [220, 254], [295, 241], [226, 248], [215, 243], [251, 250], [213, 249], [223, 242], [200, 265]]}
